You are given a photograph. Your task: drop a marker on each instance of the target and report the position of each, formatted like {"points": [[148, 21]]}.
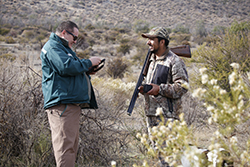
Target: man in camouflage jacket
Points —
{"points": [[167, 74]]}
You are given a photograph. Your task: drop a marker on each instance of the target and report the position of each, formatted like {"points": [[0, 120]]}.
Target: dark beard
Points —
{"points": [[155, 51]]}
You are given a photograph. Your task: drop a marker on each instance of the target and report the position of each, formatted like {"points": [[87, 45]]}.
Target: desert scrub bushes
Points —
{"points": [[180, 28], [9, 40], [141, 26], [217, 57], [4, 31], [230, 114], [117, 66], [7, 57], [124, 47], [229, 117], [112, 89], [104, 135], [24, 133], [200, 32], [179, 38]]}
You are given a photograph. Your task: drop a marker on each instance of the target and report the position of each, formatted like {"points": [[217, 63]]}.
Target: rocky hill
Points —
{"points": [[24, 17], [124, 13]]}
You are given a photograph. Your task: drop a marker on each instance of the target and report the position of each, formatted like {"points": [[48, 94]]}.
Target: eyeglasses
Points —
{"points": [[74, 37]]}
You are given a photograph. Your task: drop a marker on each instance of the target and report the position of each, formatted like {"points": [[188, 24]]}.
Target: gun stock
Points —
{"points": [[183, 51]]}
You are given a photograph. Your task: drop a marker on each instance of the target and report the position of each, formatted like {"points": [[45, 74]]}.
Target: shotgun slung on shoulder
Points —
{"points": [[183, 51]]}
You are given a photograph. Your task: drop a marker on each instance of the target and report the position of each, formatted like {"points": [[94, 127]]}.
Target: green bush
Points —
{"points": [[181, 29], [219, 30], [4, 31], [141, 26], [8, 56], [242, 28], [200, 29], [29, 34], [9, 40], [180, 38], [218, 56]]}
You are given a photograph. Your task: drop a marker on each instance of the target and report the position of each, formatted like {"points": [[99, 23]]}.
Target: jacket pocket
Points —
{"points": [[160, 75]]}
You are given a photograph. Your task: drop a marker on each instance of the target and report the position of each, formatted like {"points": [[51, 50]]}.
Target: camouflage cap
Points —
{"points": [[157, 32]]}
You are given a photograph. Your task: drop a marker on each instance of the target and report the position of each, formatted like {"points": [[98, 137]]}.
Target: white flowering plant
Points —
{"points": [[173, 141], [229, 110]]}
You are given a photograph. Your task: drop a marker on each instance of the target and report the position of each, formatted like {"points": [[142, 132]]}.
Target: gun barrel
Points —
{"points": [[183, 50], [139, 82]]}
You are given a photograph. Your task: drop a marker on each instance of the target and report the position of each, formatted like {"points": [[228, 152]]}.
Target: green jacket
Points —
{"points": [[64, 78]]}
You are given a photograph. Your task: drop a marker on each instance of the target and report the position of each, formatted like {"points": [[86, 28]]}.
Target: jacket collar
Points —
{"points": [[162, 57], [59, 39]]}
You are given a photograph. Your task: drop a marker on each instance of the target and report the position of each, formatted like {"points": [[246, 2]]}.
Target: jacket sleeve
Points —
{"points": [[178, 77], [66, 64]]}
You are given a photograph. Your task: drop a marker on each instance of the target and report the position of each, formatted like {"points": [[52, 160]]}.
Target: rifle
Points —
{"points": [[182, 51]]}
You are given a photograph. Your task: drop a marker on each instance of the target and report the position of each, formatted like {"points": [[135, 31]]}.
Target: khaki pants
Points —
{"points": [[64, 124]]}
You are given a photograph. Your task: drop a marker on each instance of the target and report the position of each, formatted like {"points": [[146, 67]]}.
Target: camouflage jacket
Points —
{"points": [[169, 72]]}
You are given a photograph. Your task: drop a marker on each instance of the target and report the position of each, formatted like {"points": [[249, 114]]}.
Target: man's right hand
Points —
{"points": [[141, 90], [95, 61]]}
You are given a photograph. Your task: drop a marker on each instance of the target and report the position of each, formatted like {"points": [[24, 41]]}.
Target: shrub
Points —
{"points": [[82, 42], [219, 30], [111, 35], [22, 119], [141, 26], [91, 41], [7, 56], [25, 135], [229, 114], [180, 38], [180, 29], [117, 67], [83, 55], [124, 48], [200, 29], [141, 52], [89, 27], [242, 28], [218, 57], [229, 111], [9, 40], [112, 130], [4, 31], [29, 34]]}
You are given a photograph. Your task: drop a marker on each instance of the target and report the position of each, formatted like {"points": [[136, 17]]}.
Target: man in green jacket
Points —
{"points": [[66, 89]]}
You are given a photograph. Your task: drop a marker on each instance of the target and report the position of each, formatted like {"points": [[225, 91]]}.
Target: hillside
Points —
{"points": [[31, 21], [124, 13]]}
